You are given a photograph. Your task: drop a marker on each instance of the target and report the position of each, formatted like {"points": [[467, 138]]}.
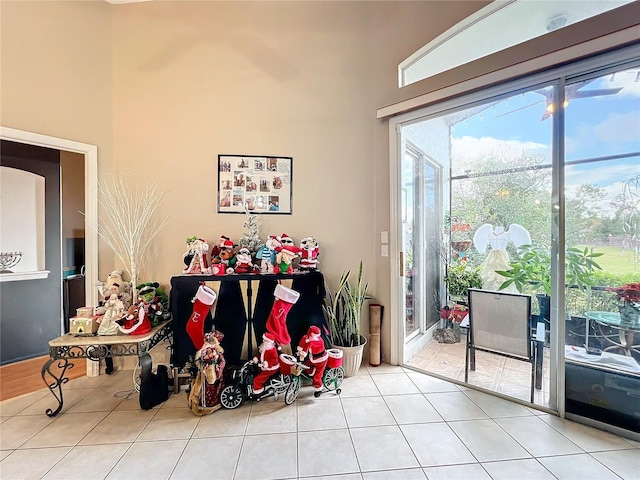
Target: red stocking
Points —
{"points": [[195, 325], [277, 321]]}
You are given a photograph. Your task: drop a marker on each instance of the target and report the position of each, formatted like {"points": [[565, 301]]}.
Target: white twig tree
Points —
{"points": [[131, 221]]}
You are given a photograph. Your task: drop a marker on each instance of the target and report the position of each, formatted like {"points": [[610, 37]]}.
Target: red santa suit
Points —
{"points": [[243, 261], [136, 322], [309, 251], [311, 350], [268, 362]]}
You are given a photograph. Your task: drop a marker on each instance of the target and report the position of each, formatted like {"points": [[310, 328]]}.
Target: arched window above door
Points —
{"points": [[498, 26]]}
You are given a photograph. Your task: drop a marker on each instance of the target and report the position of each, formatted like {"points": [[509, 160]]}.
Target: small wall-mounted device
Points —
{"points": [[556, 22]]}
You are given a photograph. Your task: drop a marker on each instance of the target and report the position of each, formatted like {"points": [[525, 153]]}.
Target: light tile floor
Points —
{"points": [[388, 423]]}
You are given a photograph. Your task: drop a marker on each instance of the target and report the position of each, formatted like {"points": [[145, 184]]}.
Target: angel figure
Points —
{"points": [[498, 258]]}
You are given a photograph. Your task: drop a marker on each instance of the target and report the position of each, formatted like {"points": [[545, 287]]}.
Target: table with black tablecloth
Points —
{"points": [[242, 308]]}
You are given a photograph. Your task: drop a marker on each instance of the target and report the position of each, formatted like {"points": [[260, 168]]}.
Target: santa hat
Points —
{"points": [[268, 337], [146, 289], [228, 244], [284, 238], [313, 331]]}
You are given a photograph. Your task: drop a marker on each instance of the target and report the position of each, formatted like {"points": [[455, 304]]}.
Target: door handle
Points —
{"points": [[402, 264]]}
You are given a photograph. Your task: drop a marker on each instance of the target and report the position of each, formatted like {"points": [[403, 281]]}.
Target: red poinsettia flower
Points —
{"points": [[461, 227], [629, 292]]}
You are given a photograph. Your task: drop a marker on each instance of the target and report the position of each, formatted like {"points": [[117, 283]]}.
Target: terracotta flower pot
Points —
{"points": [[461, 245]]}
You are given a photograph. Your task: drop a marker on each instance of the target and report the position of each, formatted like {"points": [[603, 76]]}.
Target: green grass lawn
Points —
{"points": [[615, 260]]}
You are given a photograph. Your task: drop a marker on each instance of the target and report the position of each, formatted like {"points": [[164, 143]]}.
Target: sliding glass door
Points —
{"points": [[530, 188], [494, 198], [421, 211], [602, 225]]}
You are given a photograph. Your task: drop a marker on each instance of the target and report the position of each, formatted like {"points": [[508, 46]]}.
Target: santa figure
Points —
{"points": [[243, 261], [195, 258], [309, 251], [268, 362], [311, 350]]}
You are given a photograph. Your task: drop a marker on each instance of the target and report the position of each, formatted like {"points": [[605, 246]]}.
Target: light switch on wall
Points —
{"points": [[384, 237], [384, 250]]}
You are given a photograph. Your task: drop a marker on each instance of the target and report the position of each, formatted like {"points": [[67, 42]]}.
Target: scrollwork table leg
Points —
{"points": [[55, 386]]}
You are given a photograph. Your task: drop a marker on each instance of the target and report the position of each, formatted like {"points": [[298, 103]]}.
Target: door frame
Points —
{"points": [[90, 153], [395, 239]]}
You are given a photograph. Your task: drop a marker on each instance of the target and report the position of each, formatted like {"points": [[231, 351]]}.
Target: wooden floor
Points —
{"points": [[25, 377]]}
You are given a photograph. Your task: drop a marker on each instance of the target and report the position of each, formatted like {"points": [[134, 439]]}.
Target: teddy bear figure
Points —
{"points": [[226, 259], [215, 251], [114, 284]]}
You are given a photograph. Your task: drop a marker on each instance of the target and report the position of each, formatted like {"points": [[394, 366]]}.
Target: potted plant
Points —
{"points": [[343, 311], [533, 268], [460, 241], [460, 278], [630, 306]]}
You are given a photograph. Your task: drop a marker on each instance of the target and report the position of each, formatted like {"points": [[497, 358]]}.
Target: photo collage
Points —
{"points": [[254, 183]]}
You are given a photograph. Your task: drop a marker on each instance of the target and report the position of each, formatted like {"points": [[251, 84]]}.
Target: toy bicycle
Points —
{"points": [[241, 387], [285, 382], [331, 378]]}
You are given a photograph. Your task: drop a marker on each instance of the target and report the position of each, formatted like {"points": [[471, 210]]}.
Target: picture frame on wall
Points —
{"points": [[258, 184]]}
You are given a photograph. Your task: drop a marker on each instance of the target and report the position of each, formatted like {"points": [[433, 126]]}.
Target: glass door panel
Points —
{"points": [[602, 218], [495, 197], [421, 206]]}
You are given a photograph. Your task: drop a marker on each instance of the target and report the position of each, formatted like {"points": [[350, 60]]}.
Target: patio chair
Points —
{"points": [[499, 324]]}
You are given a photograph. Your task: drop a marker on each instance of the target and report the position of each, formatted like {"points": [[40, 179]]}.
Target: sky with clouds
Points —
{"points": [[595, 127]]}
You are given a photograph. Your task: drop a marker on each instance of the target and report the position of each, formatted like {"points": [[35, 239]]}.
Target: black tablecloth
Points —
{"points": [[231, 312]]}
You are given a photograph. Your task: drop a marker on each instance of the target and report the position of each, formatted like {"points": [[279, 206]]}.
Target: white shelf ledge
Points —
{"points": [[19, 276]]}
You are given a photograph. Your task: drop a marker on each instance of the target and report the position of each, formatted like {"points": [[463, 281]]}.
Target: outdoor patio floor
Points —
{"points": [[493, 372]]}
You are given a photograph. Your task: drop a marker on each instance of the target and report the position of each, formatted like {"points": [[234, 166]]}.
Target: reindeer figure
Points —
{"points": [[136, 322]]}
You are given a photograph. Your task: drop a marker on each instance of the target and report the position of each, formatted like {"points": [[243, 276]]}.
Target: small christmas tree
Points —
{"points": [[251, 238]]}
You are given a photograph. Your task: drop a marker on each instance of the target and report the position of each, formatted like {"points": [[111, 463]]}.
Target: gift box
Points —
{"points": [[84, 312], [84, 325]]}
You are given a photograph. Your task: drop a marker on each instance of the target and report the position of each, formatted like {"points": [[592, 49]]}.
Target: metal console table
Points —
{"points": [[64, 349]]}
